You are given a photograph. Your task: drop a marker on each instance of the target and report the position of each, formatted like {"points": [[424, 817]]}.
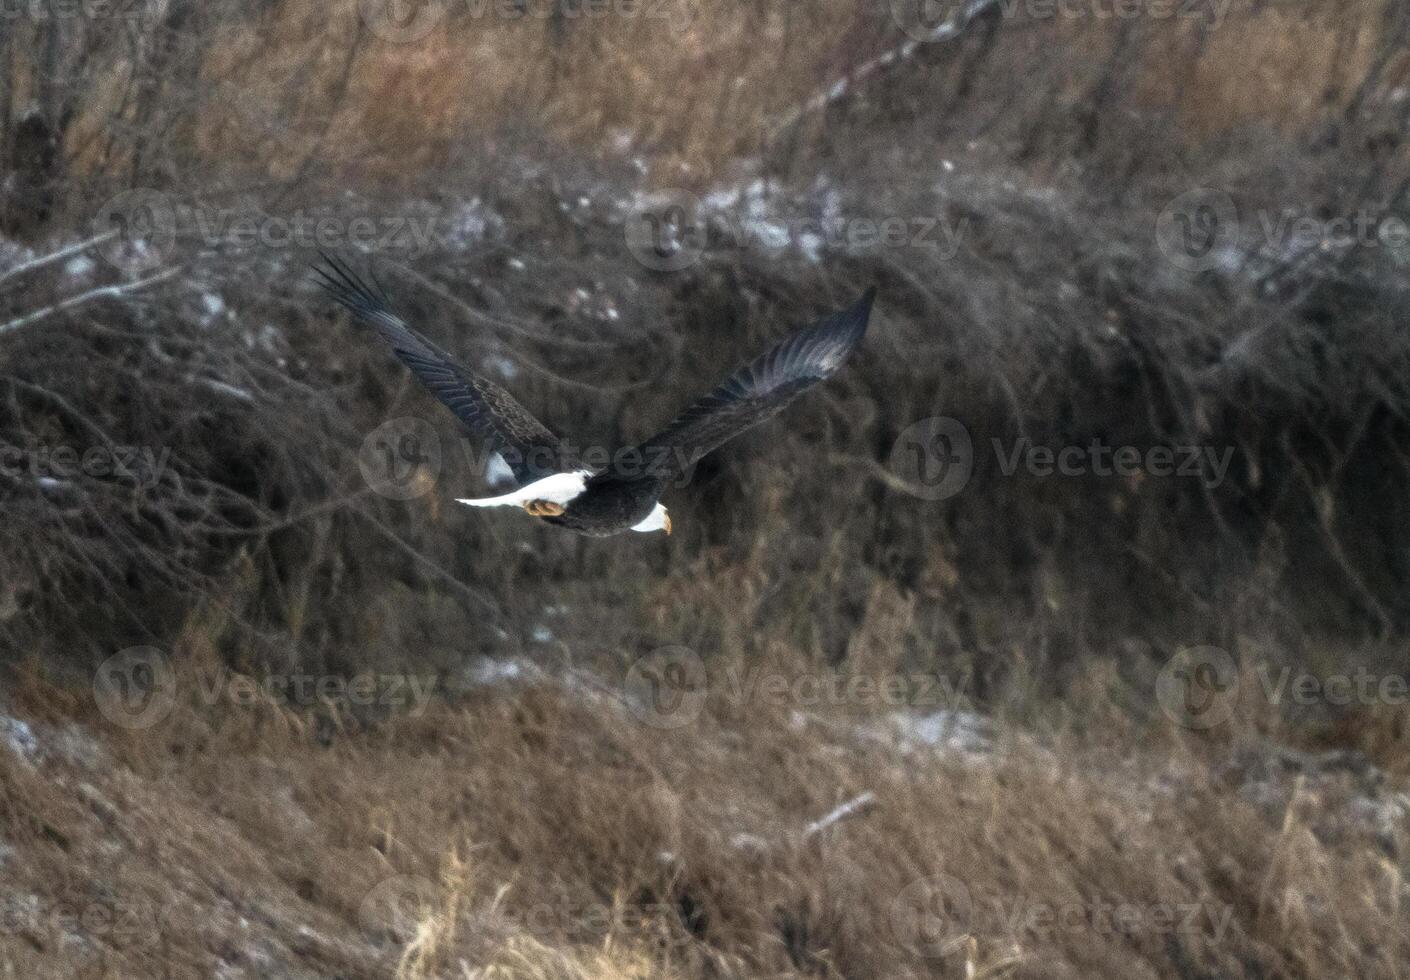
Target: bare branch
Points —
{"points": [[67, 251], [102, 292]]}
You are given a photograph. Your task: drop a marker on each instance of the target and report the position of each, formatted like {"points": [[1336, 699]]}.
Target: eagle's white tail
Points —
{"points": [[560, 488]]}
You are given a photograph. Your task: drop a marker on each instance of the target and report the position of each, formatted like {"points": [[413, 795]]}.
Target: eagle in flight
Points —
{"points": [[625, 494]]}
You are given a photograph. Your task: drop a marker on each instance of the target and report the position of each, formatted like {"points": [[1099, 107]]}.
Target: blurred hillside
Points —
{"points": [[1180, 231]]}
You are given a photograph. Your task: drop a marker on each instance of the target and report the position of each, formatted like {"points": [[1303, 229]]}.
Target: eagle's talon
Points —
{"points": [[543, 508]]}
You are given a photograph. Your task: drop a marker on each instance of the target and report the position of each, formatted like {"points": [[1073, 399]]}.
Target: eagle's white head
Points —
{"points": [[657, 520]]}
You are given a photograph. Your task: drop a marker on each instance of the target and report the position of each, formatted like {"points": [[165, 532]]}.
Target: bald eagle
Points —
{"points": [[625, 494]]}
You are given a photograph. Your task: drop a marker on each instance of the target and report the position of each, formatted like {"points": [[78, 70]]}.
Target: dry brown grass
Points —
{"points": [[292, 84], [541, 830]]}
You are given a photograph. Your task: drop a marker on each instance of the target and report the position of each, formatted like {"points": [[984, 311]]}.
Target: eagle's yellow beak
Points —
{"points": [[667, 518]]}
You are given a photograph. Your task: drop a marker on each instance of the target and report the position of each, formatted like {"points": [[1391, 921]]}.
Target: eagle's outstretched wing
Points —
{"points": [[758, 390], [531, 451]]}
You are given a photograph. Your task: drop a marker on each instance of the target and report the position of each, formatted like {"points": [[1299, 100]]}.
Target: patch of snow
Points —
{"points": [[77, 746], [13, 253], [213, 305], [963, 730], [79, 267], [721, 199], [470, 223], [944, 729], [621, 139], [270, 338], [542, 634], [20, 738], [489, 672], [502, 366], [1231, 259]]}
